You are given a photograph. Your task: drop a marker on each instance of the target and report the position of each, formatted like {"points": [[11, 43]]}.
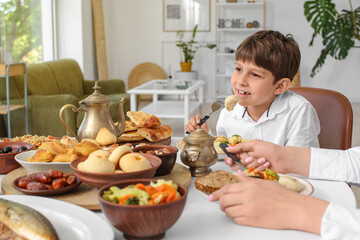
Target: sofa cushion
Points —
{"points": [[68, 76], [14, 93], [38, 75]]}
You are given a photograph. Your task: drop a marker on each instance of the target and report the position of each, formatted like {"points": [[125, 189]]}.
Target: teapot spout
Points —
{"points": [[121, 117]]}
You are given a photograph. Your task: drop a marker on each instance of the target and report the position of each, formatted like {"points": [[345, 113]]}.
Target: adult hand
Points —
{"points": [[281, 159], [264, 203], [193, 124]]}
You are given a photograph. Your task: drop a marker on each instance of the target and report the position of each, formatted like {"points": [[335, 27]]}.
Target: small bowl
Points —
{"points": [[34, 167], [7, 162], [167, 160], [142, 222], [100, 179], [45, 192]]}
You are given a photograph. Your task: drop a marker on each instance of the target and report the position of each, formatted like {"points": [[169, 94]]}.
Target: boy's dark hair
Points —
{"points": [[273, 51]]}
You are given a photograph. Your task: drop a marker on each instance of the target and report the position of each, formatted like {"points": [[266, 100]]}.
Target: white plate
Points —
{"points": [[70, 221]]}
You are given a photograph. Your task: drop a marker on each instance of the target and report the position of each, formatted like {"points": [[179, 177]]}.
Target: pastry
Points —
{"points": [[131, 136], [54, 147], [133, 162], [18, 221], [130, 126], [215, 180], [97, 164], [142, 119], [230, 102], [291, 183], [157, 133], [105, 137], [68, 157], [68, 142], [41, 155], [85, 148]]}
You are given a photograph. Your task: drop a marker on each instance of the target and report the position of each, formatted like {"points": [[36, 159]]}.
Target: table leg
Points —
{"points": [[186, 109], [133, 102]]}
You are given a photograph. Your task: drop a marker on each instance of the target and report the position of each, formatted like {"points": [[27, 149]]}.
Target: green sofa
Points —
{"points": [[50, 86]]}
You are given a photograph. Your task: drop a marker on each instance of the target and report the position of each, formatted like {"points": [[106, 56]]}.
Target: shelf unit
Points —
{"points": [[7, 71], [231, 29]]}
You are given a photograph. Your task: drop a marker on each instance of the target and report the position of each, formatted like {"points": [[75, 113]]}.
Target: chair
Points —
{"points": [[335, 114]]}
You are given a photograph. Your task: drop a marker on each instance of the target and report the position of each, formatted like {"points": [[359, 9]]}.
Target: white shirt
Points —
{"points": [[291, 120], [338, 222]]}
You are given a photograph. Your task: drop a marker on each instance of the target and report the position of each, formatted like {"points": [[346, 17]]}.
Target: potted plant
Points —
{"points": [[339, 31], [189, 49]]}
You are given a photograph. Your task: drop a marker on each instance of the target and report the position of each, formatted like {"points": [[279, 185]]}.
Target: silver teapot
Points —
{"points": [[199, 152], [97, 116]]}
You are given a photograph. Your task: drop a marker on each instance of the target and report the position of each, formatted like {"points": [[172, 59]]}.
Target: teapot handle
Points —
{"points": [[62, 120]]}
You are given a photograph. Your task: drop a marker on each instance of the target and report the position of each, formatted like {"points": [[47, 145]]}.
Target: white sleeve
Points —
{"points": [[304, 128], [340, 222], [337, 165]]}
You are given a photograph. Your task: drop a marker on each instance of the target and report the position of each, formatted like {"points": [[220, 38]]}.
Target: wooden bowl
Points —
{"points": [[167, 160], [100, 179], [142, 222], [7, 160]]}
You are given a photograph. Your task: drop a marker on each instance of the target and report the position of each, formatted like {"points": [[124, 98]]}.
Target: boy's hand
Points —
{"points": [[193, 124]]}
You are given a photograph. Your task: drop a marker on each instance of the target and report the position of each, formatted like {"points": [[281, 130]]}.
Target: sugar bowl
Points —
{"points": [[199, 152]]}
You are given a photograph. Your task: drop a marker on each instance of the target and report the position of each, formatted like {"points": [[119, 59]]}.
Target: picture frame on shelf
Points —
{"points": [[183, 15]]}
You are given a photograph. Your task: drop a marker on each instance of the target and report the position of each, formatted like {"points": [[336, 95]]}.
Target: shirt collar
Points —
{"points": [[279, 105]]}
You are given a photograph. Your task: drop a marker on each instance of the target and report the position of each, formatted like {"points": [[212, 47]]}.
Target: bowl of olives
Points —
{"points": [[8, 150]]}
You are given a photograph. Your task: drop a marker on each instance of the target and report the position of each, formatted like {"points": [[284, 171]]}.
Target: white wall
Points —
{"points": [[134, 34]]}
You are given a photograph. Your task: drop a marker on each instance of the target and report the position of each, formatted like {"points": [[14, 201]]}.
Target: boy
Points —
{"points": [[266, 62]]}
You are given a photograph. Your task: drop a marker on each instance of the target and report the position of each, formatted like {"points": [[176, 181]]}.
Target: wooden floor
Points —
{"points": [[178, 127]]}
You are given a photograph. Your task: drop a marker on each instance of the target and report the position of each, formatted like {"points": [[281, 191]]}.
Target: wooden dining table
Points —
{"points": [[202, 219]]}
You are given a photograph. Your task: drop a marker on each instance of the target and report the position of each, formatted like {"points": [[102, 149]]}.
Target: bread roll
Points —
{"points": [[80, 166], [118, 153], [98, 164], [105, 137], [291, 183], [100, 153], [133, 162]]}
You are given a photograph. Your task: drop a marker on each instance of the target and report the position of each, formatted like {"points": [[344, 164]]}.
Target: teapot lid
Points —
{"points": [[198, 136], [95, 97]]}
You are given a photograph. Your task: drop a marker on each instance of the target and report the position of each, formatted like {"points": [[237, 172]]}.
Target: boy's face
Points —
{"points": [[254, 86]]}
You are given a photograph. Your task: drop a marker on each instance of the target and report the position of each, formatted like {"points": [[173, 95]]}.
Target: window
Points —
{"points": [[26, 32]]}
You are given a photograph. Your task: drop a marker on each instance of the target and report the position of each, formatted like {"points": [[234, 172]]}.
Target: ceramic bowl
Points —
{"points": [[167, 160], [34, 167], [100, 179], [142, 222], [7, 160]]}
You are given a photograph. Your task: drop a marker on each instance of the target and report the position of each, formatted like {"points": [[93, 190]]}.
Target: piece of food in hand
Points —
{"points": [[105, 137], [268, 174], [118, 153], [131, 136], [133, 162], [130, 126], [157, 133], [18, 221], [97, 164], [291, 183], [41, 155], [230, 102], [215, 180]]}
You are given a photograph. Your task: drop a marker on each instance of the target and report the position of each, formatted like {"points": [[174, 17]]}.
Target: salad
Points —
{"points": [[268, 174], [139, 194]]}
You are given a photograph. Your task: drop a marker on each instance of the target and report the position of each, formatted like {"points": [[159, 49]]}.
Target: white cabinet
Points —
{"points": [[235, 21]]}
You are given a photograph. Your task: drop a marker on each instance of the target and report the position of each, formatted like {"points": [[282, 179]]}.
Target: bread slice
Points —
{"points": [[215, 180]]}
